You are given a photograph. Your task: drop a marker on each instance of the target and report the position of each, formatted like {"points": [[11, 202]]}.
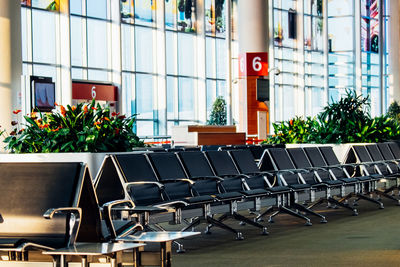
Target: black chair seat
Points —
{"points": [[333, 182], [349, 180], [299, 186], [199, 199], [229, 196], [369, 178], [280, 188], [255, 192]]}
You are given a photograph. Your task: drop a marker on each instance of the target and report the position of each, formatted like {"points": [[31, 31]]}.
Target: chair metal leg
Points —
{"points": [[295, 214], [383, 194], [259, 216], [343, 205], [364, 197], [219, 224], [320, 201], [193, 224], [310, 211], [251, 222]]}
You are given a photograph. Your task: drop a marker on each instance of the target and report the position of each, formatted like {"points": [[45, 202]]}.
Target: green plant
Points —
{"points": [[394, 111], [344, 121], [84, 128], [296, 130], [218, 113]]}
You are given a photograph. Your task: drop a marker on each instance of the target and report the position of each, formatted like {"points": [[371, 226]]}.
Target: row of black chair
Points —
{"points": [[194, 186]]}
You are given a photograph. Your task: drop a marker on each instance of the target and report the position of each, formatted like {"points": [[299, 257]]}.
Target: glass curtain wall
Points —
{"points": [[337, 46], [168, 57]]}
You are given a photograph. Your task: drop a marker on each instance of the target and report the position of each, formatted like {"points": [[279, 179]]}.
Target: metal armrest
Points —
{"points": [[206, 177], [174, 204], [129, 185], [107, 209], [129, 228], [178, 180], [76, 215]]}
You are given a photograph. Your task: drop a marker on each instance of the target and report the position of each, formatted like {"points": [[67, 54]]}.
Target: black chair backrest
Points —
{"points": [[265, 164], [394, 147], [206, 187], [257, 151], [374, 152], [136, 168], [174, 149], [244, 161], [156, 149], [167, 166], [192, 149], [385, 150], [195, 164], [28, 190], [362, 153], [177, 190], [315, 157], [281, 159], [329, 155], [299, 157], [222, 163]]}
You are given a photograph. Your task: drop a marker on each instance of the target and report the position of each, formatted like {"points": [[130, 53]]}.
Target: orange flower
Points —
{"points": [[17, 111], [55, 104], [106, 119], [44, 126], [73, 108], [97, 124], [291, 122], [94, 108], [56, 129], [63, 111], [85, 109]]}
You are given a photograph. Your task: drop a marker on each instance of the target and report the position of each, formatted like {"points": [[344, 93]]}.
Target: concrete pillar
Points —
{"points": [[253, 34], [394, 50], [10, 60]]}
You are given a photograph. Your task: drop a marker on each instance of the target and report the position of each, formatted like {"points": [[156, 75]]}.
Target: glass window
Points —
{"points": [[44, 4], [186, 15], [127, 11], [170, 14], [24, 34], [77, 45], [98, 75], [210, 17], [144, 128], [76, 73], [144, 49], [127, 37], [46, 71], [340, 34], [44, 36], [340, 7], [145, 12], [172, 84], [186, 99], [96, 8], [221, 58], [210, 58], [75, 7], [211, 95], [186, 55], [97, 43], [171, 53], [144, 96]]}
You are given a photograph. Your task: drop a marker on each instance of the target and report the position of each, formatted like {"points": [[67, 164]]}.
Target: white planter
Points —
{"points": [[93, 160]]}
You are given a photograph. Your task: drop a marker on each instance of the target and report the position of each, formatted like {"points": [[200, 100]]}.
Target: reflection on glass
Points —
{"points": [[127, 11], [145, 12], [211, 95], [170, 14], [215, 17], [234, 19], [186, 15], [51, 5], [369, 26], [210, 17]]}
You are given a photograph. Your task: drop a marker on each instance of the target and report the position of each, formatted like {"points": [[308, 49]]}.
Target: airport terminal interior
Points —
{"points": [[168, 187]]}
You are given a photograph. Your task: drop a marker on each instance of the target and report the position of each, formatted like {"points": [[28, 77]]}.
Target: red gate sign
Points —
{"points": [[89, 91], [253, 64]]}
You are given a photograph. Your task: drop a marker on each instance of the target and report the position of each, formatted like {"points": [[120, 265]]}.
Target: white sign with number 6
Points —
{"points": [[257, 66], [94, 92]]}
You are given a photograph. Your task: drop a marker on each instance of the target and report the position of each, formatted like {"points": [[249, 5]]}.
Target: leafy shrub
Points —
{"points": [[84, 128], [394, 111], [345, 121], [218, 113]]}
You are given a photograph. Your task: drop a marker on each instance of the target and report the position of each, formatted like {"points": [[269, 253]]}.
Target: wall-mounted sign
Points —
{"points": [[88, 91], [253, 64]]}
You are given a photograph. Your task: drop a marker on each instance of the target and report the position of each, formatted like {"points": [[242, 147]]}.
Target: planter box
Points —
{"points": [[93, 160]]}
